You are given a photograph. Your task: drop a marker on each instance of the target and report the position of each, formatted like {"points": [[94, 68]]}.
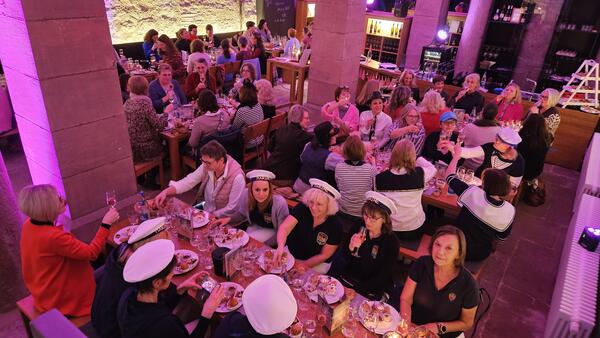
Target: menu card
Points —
{"points": [[228, 262], [184, 226], [335, 314]]}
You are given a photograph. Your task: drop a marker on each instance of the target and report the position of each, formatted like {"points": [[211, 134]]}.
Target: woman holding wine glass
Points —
{"points": [[433, 150], [165, 92], [509, 104], [367, 262], [408, 126], [546, 107], [469, 98]]}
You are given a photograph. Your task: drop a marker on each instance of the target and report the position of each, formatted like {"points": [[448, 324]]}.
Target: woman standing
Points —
{"points": [[481, 132], [312, 231], [535, 145], [171, 56], [440, 294], [367, 263], [469, 98], [341, 112], [546, 107], [56, 265], [265, 33], [408, 126], [403, 183], [509, 104]]}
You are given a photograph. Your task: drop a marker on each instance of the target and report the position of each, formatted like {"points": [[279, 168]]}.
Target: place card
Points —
{"points": [[335, 314], [228, 262]]}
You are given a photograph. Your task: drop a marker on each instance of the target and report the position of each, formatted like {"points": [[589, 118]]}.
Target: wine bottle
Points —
{"points": [[497, 15]]}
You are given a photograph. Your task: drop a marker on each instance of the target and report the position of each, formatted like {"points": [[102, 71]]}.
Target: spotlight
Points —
{"points": [[590, 238], [370, 2], [442, 35]]}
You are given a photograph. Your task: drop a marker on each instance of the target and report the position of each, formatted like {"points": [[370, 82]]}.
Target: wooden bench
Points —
{"points": [[422, 250], [144, 167], [189, 162], [29, 313]]}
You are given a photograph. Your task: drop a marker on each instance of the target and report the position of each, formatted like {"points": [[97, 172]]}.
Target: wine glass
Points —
{"points": [[461, 173], [362, 234], [111, 198], [310, 326]]}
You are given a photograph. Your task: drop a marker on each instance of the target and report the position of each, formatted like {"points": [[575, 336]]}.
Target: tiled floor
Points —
{"points": [[519, 276]]}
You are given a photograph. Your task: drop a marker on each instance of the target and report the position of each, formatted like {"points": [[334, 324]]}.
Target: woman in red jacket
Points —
{"points": [[55, 263]]}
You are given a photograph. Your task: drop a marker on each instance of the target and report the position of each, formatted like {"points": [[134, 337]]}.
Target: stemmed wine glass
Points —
{"points": [[111, 198]]}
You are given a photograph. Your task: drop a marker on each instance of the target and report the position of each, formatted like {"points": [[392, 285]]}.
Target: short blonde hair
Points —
{"points": [[138, 85], [314, 194], [475, 77], [265, 92], [40, 202], [553, 96], [433, 102], [403, 156]]}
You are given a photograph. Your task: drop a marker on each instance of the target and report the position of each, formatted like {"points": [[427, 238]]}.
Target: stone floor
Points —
{"points": [[519, 276]]}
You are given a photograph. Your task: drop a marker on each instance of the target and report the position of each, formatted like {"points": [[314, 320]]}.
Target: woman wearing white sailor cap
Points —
{"points": [[258, 206], [312, 231], [141, 312], [366, 264]]}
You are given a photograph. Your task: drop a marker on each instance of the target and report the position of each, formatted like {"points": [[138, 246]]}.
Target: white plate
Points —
{"points": [[192, 261], [125, 232], [475, 181], [381, 326], [331, 299], [204, 220], [234, 243], [223, 308], [289, 265]]}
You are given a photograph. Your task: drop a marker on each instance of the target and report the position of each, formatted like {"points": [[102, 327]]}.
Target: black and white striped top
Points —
{"points": [[353, 180], [247, 116]]}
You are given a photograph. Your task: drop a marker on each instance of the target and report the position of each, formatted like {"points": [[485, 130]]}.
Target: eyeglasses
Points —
{"points": [[413, 116], [544, 96], [372, 218]]}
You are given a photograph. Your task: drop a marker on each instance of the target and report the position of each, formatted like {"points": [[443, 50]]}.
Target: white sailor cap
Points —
{"points": [[260, 175], [269, 304], [325, 187], [383, 201], [147, 229], [147, 261], [509, 136]]}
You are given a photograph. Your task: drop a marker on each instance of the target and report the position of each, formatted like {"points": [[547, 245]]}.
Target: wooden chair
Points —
{"points": [[29, 313], [250, 133], [422, 250], [144, 167], [277, 121], [231, 68], [189, 162]]}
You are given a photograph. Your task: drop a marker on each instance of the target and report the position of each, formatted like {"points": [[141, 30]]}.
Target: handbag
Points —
{"points": [[535, 193]]}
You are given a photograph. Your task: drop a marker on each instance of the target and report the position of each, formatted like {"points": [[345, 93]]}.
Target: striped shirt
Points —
{"points": [[417, 139], [354, 179], [247, 116]]}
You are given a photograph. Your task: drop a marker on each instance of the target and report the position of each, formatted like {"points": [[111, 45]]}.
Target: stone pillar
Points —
{"points": [[429, 17], [472, 36], [11, 287], [536, 42], [60, 66], [338, 36]]}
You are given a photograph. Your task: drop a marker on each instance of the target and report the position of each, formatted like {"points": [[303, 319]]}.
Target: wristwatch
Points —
{"points": [[441, 328]]}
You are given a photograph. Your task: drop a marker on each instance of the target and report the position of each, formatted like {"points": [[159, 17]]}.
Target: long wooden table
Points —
{"points": [[300, 267], [297, 69], [173, 139]]}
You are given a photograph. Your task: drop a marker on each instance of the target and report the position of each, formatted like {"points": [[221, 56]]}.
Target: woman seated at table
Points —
{"points": [[546, 106], [292, 43], [367, 263], [404, 182], [227, 56], [260, 208], [501, 154], [367, 90], [164, 91], [433, 150], [484, 216], [144, 126], [440, 294], [269, 307], [481, 132], [318, 161], [401, 96], [249, 111], [469, 98], [407, 126], [341, 112], [432, 107], [150, 45], [259, 51], [247, 73], [111, 285], [287, 144], [183, 40], [172, 57], [266, 97], [375, 125], [55, 264], [141, 312], [408, 79], [312, 231], [197, 54], [509, 104], [438, 86], [211, 118], [199, 80], [265, 33], [534, 147]]}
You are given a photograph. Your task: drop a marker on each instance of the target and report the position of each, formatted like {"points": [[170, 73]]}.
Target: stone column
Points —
{"points": [[60, 66], [338, 36], [429, 17], [536, 42], [11, 287], [472, 36]]}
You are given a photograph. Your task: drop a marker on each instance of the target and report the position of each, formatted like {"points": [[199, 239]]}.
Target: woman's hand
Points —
{"points": [[431, 327], [161, 198], [534, 109], [189, 284], [200, 87], [355, 242], [461, 94], [278, 253], [213, 301], [169, 108], [220, 221], [111, 216], [456, 150]]}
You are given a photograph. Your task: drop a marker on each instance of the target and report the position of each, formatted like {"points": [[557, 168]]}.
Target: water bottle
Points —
{"points": [[143, 208]]}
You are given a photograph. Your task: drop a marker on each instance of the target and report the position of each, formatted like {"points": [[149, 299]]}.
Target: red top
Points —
{"points": [[56, 268], [431, 122], [510, 111]]}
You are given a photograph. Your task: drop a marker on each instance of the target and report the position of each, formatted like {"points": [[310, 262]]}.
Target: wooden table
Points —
{"points": [[173, 139], [296, 96], [238, 278], [275, 52]]}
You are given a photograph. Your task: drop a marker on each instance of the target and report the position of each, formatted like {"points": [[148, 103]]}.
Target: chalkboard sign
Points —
{"points": [[280, 14]]}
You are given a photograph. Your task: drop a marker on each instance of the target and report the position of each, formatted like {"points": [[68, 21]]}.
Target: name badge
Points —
{"points": [[268, 219], [322, 238], [374, 251]]}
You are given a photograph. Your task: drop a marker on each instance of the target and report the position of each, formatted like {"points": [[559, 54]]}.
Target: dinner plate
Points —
{"points": [[289, 265], [321, 282], [123, 235], [200, 220], [223, 307], [382, 327], [188, 257], [232, 243], [475, 181]]}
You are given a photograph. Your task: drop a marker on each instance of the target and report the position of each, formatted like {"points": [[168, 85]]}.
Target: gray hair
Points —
{"points": [[295, 113]]}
